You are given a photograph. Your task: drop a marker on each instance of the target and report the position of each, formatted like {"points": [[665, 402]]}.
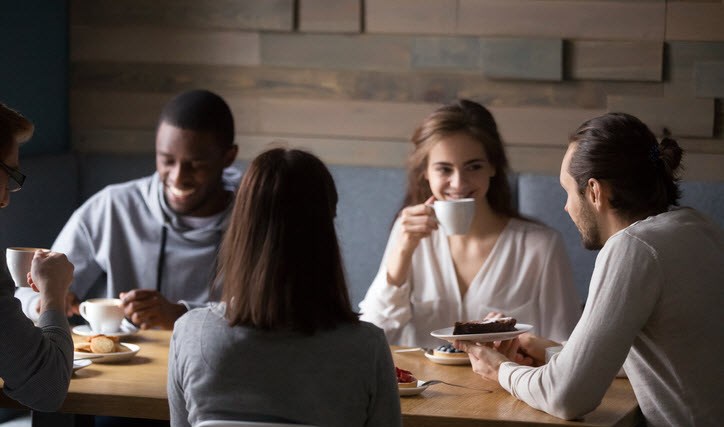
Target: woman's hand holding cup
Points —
{"points": [[417, 222]]}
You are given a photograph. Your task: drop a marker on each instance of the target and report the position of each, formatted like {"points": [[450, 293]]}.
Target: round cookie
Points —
{"points": [[102, 344]]}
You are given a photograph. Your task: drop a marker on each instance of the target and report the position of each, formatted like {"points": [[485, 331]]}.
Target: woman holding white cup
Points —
{"points": [[433, 276]]}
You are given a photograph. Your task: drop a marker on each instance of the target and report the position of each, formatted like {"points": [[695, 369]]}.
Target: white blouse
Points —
{"points": [[527, 276]]}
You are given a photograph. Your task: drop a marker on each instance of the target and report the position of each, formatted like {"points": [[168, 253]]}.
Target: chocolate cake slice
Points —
{"points": [[504, 324]]}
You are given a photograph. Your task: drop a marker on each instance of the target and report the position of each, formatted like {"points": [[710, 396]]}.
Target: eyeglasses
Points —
{"points": [[15, 183]]}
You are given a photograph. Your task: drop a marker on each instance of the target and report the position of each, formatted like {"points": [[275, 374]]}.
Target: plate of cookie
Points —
{"points": [[105, 349], [81, 363], [487, 330]]}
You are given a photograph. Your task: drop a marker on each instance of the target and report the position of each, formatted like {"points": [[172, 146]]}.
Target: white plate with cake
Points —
{"points": [[407, 384], [446, 354], [487, 330], [413, 389]]}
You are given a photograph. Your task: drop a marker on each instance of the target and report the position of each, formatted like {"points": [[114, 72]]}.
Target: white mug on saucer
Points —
{"points": [[455, 216], [19, 262], [104, 314]]}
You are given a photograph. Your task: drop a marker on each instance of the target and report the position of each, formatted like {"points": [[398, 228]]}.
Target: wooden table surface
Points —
{"points": [[442, 405], [138, 389]]}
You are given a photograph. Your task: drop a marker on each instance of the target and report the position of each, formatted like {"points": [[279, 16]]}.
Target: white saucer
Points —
{"points": [[447, 334], [411, 391], [85, 330], [121, 356], [448, 360], [81, 363]]}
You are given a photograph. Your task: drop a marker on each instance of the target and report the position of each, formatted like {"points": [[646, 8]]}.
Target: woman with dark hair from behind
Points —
{"points": [[284, 345], [504, 264]]}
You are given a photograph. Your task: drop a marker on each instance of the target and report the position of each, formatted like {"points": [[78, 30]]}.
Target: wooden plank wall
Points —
{"points": [[350, 79]]}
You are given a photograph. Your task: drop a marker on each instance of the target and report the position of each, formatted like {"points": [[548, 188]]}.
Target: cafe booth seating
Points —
{"points": [[369, 198]]}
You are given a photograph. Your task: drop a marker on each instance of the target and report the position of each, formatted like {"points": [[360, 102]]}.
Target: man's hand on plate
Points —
{"points": [[485, 360], [146, 309]]}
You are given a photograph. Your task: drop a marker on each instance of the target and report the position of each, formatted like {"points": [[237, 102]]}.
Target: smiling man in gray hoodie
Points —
{"points": [[155, 239]]}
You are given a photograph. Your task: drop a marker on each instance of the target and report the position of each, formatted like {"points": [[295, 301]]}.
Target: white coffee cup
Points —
{"points": [[455, 216], [104, 314], [19, 262]]}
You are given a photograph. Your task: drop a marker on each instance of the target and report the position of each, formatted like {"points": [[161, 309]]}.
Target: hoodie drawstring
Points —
{"points": [[161, 256]]}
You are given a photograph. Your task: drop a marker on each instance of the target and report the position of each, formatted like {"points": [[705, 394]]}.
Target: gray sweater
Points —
{"points": [[36, 363], [343, 377], [655, 301], [116, 238]]}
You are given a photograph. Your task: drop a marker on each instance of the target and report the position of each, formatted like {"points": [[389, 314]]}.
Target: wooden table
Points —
{"points": [[442, 405], [138, 389]]}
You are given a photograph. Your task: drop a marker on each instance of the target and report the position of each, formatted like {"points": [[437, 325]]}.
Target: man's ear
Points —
{"points": [[597, 193], [230, 155]]}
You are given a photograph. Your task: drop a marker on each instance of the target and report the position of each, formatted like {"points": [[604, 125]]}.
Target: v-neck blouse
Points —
{"points": [[527, 275]]}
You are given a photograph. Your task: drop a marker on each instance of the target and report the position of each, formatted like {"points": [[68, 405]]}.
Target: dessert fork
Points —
{"points": [[432, 382]]}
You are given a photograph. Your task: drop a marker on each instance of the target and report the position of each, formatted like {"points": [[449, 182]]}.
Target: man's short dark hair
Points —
{"points": [[202, 111], [620, 149]]}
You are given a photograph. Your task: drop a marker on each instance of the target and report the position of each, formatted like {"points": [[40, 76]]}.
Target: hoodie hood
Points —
{"points": [[154, 198]]}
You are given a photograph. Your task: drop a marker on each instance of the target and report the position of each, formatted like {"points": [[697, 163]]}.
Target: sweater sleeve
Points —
{"points": [[36, 363], [385, 305], [624, 288], [174, 388], [384, 409], [559, 303], [76, 242]]}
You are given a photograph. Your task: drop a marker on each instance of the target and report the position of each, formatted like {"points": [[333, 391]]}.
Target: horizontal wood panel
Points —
{"points": [[382, 120], [616, 60], [342, 16], [682, 116], [709, 78], [614, 20], [357, 151], [156, 45], [435, 87], [269, 15], [364, 52], [681, 59], [694, 21], [702, 145], [354, 152], [540, 126], [374, 153], [92, 110], [326, 118], [522, 59], [703, 167], [410, 16], [453, 53]]}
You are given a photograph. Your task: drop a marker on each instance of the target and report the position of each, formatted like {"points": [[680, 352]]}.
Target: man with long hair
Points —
{"points": [[655, 296]]}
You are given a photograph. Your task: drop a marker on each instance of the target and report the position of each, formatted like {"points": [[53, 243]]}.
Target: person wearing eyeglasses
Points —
{"points": [[35, 362]]}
